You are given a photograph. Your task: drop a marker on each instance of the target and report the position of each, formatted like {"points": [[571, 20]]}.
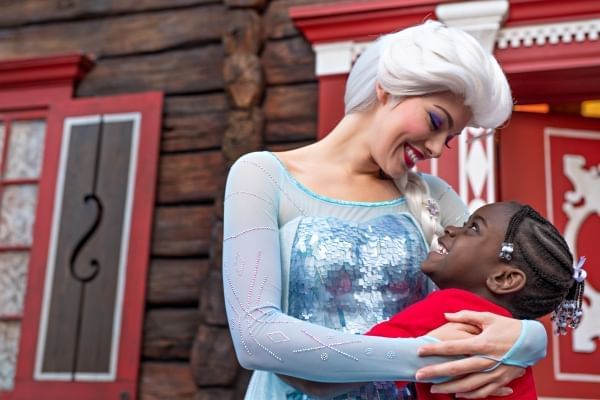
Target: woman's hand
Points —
{"points": [[498, 334], [454, 331], [483, 384]]}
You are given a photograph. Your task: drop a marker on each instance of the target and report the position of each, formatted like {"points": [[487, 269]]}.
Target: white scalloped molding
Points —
{"points": [[562, 32], [337, 58]]}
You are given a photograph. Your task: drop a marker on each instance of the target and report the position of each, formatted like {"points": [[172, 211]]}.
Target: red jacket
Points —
{"points": [[428, 314]]}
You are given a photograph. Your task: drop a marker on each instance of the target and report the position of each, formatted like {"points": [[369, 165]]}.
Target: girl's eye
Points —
{"points": [[448, 140], [474, 226], [435, 120]]}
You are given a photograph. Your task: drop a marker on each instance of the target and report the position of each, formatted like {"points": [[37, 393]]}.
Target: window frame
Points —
{"points": [[44, 88]]}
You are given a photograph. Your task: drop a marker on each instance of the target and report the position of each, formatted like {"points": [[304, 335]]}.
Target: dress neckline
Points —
{"points": [[311, 193]]}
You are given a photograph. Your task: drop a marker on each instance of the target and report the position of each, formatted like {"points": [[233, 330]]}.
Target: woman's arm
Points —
{"points": [[264, 337], [497, 333], [320, 390]]}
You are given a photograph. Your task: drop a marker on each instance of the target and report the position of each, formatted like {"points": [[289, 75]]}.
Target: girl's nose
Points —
{"points": [[451, 230]]}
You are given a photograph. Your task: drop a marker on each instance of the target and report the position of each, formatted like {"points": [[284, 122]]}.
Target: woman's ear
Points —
{"points": [[382, 95], [506, 279]]}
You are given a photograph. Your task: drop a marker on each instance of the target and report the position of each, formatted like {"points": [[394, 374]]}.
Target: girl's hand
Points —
{"points": [[498, 334]]}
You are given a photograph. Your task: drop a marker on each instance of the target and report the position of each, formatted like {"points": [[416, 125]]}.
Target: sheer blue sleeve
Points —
{"points": [[264, 337]]}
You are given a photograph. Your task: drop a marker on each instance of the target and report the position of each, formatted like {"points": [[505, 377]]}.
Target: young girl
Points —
{"points": [[507, 260]]}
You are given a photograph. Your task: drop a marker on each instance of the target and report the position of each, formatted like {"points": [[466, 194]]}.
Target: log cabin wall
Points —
{"points": [[237, 77]]}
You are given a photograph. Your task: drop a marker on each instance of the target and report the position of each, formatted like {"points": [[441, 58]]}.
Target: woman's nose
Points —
{"points": [[434, 146]]}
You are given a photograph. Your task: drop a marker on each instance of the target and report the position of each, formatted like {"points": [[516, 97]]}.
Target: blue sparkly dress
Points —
{"points": [[305, 275]]}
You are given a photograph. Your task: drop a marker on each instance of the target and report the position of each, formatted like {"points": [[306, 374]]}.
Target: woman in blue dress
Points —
{"points": [[322, 242]]}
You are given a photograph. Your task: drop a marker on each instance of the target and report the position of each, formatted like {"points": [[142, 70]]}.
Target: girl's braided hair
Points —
{"points": [[536, 247]]}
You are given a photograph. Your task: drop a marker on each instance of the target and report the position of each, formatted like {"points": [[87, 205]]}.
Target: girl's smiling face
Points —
{"points": [[466, 256], [414, 129]]}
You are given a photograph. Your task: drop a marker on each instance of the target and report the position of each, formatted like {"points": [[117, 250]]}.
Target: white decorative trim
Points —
{"points": [[560, 32], [573, 168], [482, 19], [471, 170], [337, 57], [333, 58]]}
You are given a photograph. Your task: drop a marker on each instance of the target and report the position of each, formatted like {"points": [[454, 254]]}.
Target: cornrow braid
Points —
{"points": [[535, 246]]}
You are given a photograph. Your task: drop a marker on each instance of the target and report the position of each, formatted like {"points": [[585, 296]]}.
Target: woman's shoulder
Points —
{"points": [[261, 161], [260, 157]]}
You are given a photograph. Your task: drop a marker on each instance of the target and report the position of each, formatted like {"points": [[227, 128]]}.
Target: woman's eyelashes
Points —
{"points": [[448, 140], [435, 121]]}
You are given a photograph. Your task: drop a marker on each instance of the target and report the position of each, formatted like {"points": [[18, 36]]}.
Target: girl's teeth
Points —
{"points": [[438, 248]]}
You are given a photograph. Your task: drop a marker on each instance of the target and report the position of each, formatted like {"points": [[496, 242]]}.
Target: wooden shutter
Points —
{"points": [[83, 315]]}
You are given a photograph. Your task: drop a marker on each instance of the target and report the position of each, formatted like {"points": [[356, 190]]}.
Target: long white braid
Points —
{"points": [[422, 206]]}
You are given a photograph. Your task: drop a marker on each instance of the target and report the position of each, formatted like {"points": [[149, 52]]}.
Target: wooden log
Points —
{"points": [[119, 35], [15, 13], [257, 4], [193, 132], [213, 359], [183, 71], [290, 131], [216, 249], [182, 231], [278, 24], [212, 306], [169, 333], [288, 61], [244, 32], [291, 112], [191, 105], [219, 199], [194, 122], [190, 177], [291, 102], [288, 146], [160, 381], [174, 72], [244, 79], [216, 394], [243, 134], [176, 281]]}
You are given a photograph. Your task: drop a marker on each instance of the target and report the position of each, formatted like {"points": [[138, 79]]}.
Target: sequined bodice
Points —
{"points": [[349, 276]]}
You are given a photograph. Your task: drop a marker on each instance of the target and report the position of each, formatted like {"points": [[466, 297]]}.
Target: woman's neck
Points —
{"points": [[348, 146]]}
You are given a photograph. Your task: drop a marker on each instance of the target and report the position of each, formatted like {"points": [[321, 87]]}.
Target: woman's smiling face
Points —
{"points": [[415, 129], [465, 256]]}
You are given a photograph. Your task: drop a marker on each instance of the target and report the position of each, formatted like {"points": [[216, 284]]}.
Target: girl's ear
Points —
{"points": [[506, 279], [382, 95]]}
